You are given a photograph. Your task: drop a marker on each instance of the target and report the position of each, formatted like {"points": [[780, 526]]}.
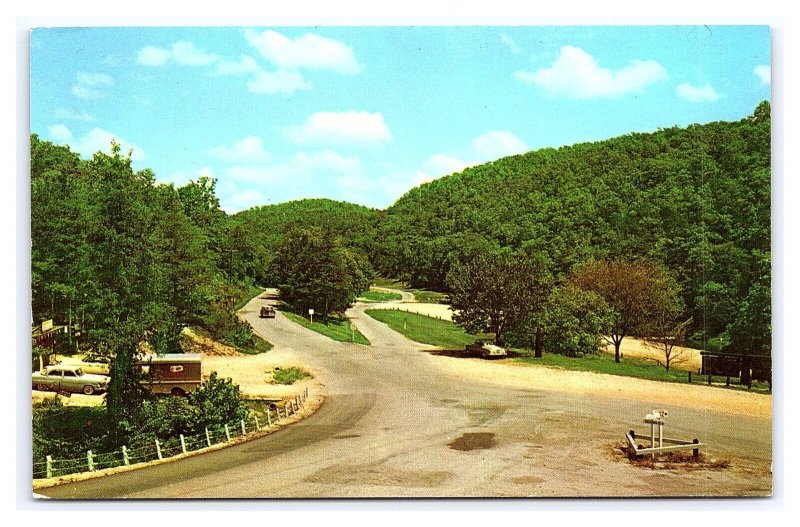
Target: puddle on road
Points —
{"points": [[473, 441]]}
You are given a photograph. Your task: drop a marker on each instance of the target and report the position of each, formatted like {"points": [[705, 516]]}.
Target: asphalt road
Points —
{"points": [[397, 424]]}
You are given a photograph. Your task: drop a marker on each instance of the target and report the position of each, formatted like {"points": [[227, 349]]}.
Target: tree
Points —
{"points": [[665, 335], [495, 292], [635, 290], [315, 271], [575, 321]]}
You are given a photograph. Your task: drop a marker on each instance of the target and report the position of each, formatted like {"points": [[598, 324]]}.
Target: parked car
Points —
{"points": [[486, 350], [69, 379]]}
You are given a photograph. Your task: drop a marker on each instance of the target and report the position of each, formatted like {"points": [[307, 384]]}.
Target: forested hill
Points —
{"points": [[696, 199], [261, 229]]}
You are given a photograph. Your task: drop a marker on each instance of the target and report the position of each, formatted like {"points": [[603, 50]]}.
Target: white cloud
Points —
{"points": [[307, 51], [697, 93], [90, 85], [95, 140], [247, 150], [245, 64], [510, 43], [498, 143], [185, 53], [60, 133], [576, 74], [764, 73], [341, 127], [63, 113], [280, 81], [299, 167], [152, 56]]}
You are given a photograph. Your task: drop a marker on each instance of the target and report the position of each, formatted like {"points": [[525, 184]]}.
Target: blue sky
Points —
{"points": [[363, 114]]}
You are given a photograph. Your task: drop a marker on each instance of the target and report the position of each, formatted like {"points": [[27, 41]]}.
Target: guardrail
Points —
{"points": [[146, 451]]}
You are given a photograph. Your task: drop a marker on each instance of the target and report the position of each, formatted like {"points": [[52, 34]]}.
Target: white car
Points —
{"points": [[70, 379]]}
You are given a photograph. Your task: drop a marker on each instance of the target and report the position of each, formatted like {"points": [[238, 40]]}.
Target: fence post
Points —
{"points": [[90, 460], [286, 409], [49, 468], [696, 451], [158, 449], [208, 437], [183, 444], [257, 426], [125, 459], [227, 432], [306, 392], [244, 431], [269, 418]]}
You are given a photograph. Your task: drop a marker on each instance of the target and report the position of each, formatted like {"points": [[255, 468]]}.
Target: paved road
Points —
{"points": [[395, 423]]}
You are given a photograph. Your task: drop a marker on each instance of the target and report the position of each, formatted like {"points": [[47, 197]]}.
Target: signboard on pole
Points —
{"points": [[311, 314]]}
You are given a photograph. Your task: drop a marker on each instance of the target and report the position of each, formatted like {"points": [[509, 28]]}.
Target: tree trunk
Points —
{"points": [[617, 343], [539, 345]]}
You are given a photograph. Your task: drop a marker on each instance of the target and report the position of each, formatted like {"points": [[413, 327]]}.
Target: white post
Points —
{"points": [[652, 438], [125, 459], [244, 431], [257, 426], [90, 460], [227, 432], [286, 409], [660, 434], [158, 449], [269, 418], [183, 444], [208, 437], [49, 466]]}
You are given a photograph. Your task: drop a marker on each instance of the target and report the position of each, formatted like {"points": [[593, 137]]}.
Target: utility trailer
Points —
{"points": [[171, 373]]}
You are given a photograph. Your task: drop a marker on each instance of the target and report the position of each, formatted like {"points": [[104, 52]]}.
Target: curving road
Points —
{"points": [[395, 424]]}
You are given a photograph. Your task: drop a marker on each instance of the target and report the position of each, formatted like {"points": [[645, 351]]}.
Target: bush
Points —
{"points": [[575, 322], [218, 401]]}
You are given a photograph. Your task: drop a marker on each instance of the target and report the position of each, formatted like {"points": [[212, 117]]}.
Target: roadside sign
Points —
{"points": [[310, 311]]}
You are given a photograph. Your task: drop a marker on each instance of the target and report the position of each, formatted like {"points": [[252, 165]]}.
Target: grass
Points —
{"points": [[289, 375], [429, 297], [391, 283], [379, 296], [427, 330], [629, 367], [245, 295], [337, 328], [259, 346]]}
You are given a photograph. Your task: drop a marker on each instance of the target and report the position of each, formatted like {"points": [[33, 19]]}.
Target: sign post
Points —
{"points": [[311, 314]]}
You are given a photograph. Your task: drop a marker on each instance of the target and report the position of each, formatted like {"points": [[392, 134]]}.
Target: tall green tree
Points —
{"points": [[496, 291]]}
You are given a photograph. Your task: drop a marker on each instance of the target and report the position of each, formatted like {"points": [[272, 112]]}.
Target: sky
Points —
{"points": [[363, 114]]}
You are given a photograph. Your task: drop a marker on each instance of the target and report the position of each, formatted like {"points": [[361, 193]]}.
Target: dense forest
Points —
{"points": [[127, 259], [695, 200]]}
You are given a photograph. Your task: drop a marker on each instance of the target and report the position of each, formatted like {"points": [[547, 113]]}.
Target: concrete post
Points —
{"points": [[269, 418], [158, 449], [244, 430], [208, 437], [49, 465], [90, 460], [227, 433], [286, 409], [125, 459], [183, 444], [257, 426]]}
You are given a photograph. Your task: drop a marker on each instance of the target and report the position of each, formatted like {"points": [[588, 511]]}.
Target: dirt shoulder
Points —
{"points": [[526, 376]]}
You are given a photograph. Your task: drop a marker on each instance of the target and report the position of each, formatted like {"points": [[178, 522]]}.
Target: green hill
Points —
{"points": [[696, 199]]}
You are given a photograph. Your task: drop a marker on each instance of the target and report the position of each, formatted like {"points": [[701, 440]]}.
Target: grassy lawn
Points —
{"points": [[426, 330], [391, 283], [337, 328], [629, 367], [289, 375], [379, 296]]}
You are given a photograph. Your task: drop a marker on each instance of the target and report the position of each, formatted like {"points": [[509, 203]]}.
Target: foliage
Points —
{"points": [[665, 334], [575, 322], [315, 271], [217, 401], [637, 291], [336, 328], [427, 330], [289, 375], [494, 292], [379, 296]]}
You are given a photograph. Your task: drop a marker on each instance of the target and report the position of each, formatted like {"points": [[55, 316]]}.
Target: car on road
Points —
{"points": [[64, 378], [267, 312]]}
